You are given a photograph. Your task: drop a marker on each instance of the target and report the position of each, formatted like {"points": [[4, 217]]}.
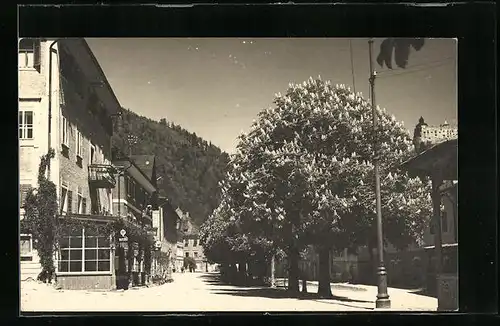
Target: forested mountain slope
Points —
{"points": [[191, 167]]}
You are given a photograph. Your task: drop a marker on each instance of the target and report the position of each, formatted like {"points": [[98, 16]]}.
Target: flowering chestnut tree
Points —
{"points": [[304, 175]]}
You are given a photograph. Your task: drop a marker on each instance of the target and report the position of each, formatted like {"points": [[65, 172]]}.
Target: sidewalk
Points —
{"points": [[364, 296], [196, 292]]}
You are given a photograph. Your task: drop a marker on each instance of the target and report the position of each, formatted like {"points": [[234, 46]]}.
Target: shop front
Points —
{"points": [[84, 259], [102, 253], [132, 260]]}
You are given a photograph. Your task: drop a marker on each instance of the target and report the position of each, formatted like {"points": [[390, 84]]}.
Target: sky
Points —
{"points": [[215, 87]]}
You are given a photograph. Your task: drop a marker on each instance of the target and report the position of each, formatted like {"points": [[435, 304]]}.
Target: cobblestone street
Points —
{"points": [[202, 292]]}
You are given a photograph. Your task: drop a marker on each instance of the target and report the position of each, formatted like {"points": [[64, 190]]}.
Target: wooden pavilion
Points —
{"points": [[439, 162]]}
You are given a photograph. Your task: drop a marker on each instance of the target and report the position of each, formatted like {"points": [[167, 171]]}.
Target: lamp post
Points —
{"points": [[383, 300]]}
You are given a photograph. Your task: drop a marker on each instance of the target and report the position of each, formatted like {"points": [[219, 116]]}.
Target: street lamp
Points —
{"points": [[383, 300], [132, 140]]}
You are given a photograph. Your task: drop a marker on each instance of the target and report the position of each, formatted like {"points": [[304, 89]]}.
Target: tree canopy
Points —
{"points": [[304, 172]]}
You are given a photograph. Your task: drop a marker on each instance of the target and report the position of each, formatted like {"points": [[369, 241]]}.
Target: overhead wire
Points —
{"points": [[415, 68], [352, 67]]}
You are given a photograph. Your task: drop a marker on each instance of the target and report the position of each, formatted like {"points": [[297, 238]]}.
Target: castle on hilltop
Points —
{"points": [[425, 136]]}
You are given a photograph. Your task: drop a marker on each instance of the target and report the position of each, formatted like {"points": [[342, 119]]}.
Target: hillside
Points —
{"points": [[191, 167]]}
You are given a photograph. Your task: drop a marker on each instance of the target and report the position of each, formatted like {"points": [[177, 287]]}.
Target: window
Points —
{"points": [[25, 124], [66, 200], [187, 254], [65, 131], [81, 252], [29, 53], [92, 154], [185, 243], [81, 202], [195, 242], [444, 222], [196, 254], [25, 245], [79, 143]]}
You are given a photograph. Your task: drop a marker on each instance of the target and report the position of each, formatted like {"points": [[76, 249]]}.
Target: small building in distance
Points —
{"points": [[425, 136], [191, 246]]}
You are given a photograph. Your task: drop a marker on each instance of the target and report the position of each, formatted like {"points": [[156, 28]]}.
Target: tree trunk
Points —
{"points": [[324, 287], [293, 272], [273, 271], [242, 272], [232, 273]]}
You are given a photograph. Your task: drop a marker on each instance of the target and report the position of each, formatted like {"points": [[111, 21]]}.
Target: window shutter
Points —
{"points": [[70, 201], [84, 206], [37, 55]]}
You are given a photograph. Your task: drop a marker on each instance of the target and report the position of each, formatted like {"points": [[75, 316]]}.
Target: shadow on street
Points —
{"points": [[272, 293]]}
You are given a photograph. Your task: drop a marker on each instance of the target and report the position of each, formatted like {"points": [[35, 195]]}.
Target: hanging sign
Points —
{"points": [[123, 237]]}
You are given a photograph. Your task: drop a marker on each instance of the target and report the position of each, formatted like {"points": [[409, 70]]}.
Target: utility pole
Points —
{"points": [[383, 300]]}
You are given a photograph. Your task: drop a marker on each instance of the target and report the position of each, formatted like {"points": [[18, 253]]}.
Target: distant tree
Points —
{"points": [[225, 242], [163, 121]]}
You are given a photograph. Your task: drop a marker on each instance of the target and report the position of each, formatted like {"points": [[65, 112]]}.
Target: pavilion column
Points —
{"points": [[437, 180]]}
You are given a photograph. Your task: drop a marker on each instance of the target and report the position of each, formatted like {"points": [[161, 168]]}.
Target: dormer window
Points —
{"points": [[29, 54]]}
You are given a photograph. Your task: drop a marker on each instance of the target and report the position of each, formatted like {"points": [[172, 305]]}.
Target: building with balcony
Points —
{"points": [[135, 201], [67, 104]]}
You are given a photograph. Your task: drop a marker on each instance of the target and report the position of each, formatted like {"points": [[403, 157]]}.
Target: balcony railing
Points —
{"points": [[102, 175]]}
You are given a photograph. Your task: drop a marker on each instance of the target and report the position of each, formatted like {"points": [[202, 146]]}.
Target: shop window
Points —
{"points": [[80, 253]]}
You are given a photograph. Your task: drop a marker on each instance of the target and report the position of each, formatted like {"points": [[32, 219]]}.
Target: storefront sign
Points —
{"points": [[157, 244], [123, 239], [123, 232]]}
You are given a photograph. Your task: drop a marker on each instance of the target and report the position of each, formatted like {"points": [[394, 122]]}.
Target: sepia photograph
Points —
{"points": [[238, 174]]}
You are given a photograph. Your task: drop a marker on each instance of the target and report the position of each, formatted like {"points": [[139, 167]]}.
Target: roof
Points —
{"points": [[96, 75], [442, 157], [145, 163]]}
